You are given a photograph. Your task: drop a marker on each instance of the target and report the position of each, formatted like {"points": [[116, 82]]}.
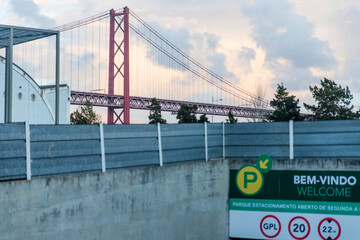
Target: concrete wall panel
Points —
{"points": [[184, 202]]}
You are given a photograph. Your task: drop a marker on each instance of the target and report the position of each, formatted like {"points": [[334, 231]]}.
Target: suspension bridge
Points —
{"points": [[117, 60]]}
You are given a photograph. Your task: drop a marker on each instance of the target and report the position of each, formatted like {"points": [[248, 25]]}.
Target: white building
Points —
{"points": [[31, 102]]}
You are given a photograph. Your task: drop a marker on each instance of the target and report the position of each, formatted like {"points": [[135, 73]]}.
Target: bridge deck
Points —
{"points": [[117, 101]]}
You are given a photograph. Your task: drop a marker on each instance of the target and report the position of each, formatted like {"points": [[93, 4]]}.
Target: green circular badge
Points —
{"points": [[264, 163]]}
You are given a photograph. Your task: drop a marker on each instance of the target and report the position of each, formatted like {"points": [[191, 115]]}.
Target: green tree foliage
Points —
{"points": [[86, 115], [333, 102], [203, 118], [231, 118], [155, 112], [285, 106], [186, 114]]}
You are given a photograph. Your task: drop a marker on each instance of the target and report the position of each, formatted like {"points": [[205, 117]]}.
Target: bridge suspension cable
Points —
{"points": [[184, 65], [231, 88], [251, 96], [82, 22]]}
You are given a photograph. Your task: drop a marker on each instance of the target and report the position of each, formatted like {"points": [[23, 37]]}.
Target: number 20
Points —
{"points": [[299, 228]]}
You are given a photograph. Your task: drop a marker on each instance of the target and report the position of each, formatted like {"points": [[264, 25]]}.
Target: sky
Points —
{"points": [[250, 42]]}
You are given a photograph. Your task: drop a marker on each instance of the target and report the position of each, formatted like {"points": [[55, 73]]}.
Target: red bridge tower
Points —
{"points": [[119, 21]]}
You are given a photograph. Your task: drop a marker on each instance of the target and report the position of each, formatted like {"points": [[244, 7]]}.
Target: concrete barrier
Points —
{"points": [[182, 201], [177, 201]]}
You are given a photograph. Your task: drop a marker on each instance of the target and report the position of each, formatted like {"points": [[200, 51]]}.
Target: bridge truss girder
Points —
{"points": [[117, 101]]}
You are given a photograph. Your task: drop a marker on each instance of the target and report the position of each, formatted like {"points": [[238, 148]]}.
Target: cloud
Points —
{"points": [[285, 34], [180, 38], [217, 60], [212, 41], [30, 11], [218, 65], [245, 56], [287, 38], [350, 74], [346, 36], [86, 58], [293, 78]]}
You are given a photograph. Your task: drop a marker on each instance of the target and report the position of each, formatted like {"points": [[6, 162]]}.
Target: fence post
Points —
{"points": [[206, 143], [291, 139], [28, 152], [223, 135], [160, 144], [102, 146]]}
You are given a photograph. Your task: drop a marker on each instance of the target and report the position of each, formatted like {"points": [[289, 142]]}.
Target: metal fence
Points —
{"points": [[49, 150], [330, 139], [255, 139], [12, 151]]}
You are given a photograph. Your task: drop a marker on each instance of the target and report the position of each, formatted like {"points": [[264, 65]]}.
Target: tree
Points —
{"points": [[203, 118], [285, 106], [155, 112], [333, 102], [86, 116], [187, 114], [231, 118]]}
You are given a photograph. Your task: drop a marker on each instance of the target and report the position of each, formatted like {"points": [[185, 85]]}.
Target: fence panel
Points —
{"points": [[12, 151], [332, 139], [183, 142], [72, 149], [131, 145], [215, 140], [255, 139], [64, 149]]}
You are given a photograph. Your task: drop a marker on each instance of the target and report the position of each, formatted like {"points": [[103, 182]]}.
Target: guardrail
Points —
{"points": [[35, 151]]}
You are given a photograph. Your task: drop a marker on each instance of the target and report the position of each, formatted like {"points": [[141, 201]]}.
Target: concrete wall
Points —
{"points": [[177, 201], [182, 201]]}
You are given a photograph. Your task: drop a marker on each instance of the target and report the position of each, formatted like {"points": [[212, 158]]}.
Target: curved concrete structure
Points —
{"points": [[31, 102]]}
